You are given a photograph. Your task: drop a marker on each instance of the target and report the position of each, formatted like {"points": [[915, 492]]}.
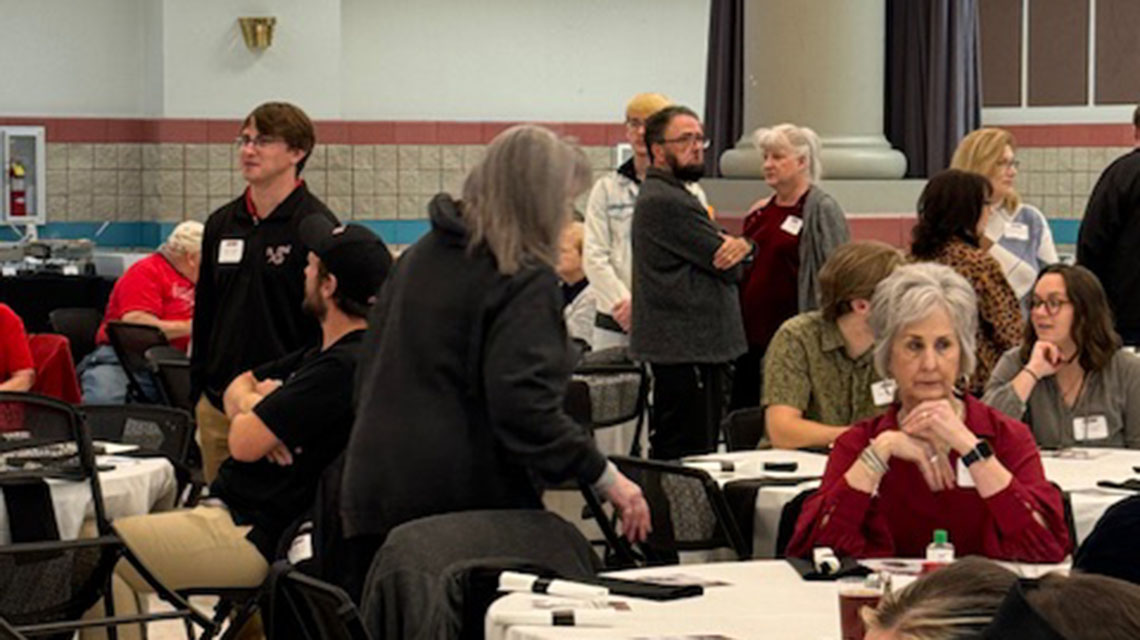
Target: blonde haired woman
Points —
{"points": [[1022, 241]]}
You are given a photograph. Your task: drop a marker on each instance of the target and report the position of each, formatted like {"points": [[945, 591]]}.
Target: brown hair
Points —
{"points": [[954, 602], [851, 273], [980, 152], [288, 122], [1087, 606], [1097, 342], [1136, 117], [950, 207]]}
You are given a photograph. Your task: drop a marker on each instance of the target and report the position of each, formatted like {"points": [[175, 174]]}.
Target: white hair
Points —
{"points": [[802, 140], [909, 295], [184, 240]]}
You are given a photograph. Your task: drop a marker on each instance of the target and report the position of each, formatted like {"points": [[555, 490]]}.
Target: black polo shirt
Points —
{"points": [[247, 304], [311, 413]]}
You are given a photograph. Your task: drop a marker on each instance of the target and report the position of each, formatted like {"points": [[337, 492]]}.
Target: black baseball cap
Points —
{"points": [[357, 257]]}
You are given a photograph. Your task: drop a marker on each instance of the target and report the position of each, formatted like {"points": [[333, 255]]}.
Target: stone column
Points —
{"points": [[821, 64]]}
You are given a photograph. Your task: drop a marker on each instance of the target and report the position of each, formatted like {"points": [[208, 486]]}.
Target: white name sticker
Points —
{"points": [[301, 548], [230, 251], [792, 225], [70, 270], [8, 272], [883, 392], [1017, 231], [1090, 428], [964, 478]]}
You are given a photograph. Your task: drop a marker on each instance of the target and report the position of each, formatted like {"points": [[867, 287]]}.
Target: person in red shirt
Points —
{"points": [[157, 290], [17, 370], [935, 460], [793, 230]]}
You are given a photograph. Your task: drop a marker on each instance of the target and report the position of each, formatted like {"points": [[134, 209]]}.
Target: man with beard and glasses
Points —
{"points": [[289, 419], [686, 323]]}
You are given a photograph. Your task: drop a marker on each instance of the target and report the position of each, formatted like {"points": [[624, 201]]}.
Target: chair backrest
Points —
{"points": [[608, 389], [689, 509], [55, 368], [304, 608], [789, 515], [79, 324], [165, 430], [743, 428], [130, 341], [416, 583], [172, 368]]}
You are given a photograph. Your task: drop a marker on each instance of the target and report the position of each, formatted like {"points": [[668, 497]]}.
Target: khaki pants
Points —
{"points": [[191, 548], [213, 437]]}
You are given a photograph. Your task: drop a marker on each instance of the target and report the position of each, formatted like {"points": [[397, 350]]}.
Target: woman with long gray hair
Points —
{"points": [[459, 394], [934, 460]]}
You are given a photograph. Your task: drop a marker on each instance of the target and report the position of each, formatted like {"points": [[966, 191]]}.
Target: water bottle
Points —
{"points": [[939, 553]]}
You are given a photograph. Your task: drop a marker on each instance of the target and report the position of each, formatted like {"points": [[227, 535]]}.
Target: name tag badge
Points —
{"points": [[883, 392], [70, 270], [301, 548], [1017, 231], [792, 225], [965, 480], [230, 251], [1090, 428]]}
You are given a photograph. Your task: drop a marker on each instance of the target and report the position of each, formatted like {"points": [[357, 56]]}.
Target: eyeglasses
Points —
{"points": [[1052, 305], [689, 139], [1008, 164], [635, 123], [260, 142]]}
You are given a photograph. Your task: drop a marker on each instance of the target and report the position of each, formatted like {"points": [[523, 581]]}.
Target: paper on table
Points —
{"points": [[115, 448], [1076, 453]]}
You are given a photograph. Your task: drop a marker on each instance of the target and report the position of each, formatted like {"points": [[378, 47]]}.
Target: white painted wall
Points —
{"points": [[73, 57], [210, 73], [552, 60], [556, 60]]}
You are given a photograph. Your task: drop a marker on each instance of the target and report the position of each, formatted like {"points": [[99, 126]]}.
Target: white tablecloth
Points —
{"points": [[135, 486], [1073, 470], [763, 599]]}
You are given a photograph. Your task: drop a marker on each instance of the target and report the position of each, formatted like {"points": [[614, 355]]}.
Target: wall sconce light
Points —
{"points": [[257, 32]]}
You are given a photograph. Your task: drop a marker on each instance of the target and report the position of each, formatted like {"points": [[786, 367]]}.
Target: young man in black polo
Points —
{"points": [[247, 306], [289, 419]]}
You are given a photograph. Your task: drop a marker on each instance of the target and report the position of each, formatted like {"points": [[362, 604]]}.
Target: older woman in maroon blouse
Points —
{"points": [[934, 460], [793, 231]]}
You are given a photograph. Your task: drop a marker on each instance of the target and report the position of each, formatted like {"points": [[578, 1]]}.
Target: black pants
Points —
{"points": [[747, 379], [688, 400]]}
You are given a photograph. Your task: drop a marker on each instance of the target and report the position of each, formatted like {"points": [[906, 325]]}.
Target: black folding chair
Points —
{"points": [[743, 428], [300, 607], [607, 390], [131, 342], [789, 515], [155, 429], [8, 633], [689, 510], [172, 369], [47, 584], [79, 325]]}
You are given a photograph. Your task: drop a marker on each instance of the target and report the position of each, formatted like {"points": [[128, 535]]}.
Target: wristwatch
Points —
{"points": [[980, 452]]}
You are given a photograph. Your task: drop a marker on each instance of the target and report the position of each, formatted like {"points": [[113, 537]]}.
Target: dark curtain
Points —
{"points": [[933, 82], [724, 85]]}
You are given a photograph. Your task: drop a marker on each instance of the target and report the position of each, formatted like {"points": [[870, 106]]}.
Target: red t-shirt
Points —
{"points": [[15, 354], [769, 293], [154, 286]]}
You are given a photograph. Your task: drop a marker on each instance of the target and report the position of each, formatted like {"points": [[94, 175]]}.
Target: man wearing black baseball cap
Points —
{"points": [[289, 419]]}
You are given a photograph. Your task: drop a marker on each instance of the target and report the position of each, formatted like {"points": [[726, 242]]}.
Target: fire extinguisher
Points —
{"points": [[18, 200]]}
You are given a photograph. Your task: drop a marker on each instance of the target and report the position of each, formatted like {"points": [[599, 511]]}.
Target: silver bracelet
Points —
{"points": [[873, 461]]}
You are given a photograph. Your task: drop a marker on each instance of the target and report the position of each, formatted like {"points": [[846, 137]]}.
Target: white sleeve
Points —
{"points": [[1046, 251], [597, 249]]}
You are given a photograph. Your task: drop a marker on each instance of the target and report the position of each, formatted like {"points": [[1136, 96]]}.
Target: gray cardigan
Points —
{"points": [[1113, 392], [825, 227], [685, 310]]}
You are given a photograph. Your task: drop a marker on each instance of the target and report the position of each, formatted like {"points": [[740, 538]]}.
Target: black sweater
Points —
{"points": [[247, 303], [1110, 236], [460, 388], [685, 310]]}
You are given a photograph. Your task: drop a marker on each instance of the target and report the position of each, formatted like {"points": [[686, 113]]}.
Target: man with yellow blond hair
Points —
{"points": [[607, 252]]}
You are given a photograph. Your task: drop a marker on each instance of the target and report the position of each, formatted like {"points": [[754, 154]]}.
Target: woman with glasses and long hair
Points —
{"points": [[793, 231], [1070, 380], [1021, 240]]}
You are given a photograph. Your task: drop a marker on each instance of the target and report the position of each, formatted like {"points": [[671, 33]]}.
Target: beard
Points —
{"points": [[684, 172], [315, 306]]}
